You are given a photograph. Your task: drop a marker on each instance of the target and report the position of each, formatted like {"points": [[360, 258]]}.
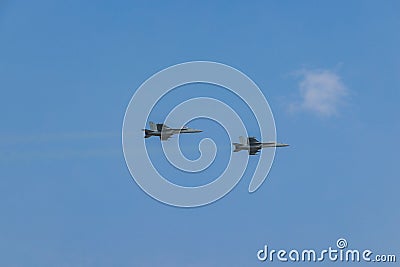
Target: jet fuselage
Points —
{"points": [[252, 145], [165, 132]]}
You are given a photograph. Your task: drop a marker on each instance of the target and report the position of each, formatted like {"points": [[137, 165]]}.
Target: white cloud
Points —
{"points": [[321, 91]]}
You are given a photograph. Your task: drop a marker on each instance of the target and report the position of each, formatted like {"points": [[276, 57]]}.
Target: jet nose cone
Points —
{"points": [[192, 130], [281, 145]]}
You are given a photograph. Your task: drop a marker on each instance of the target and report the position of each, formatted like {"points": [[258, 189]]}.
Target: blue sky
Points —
{"points": [[68, 69]]}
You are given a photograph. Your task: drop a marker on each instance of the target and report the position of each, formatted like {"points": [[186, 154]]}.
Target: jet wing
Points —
{"points": [[165, 136], [254, 151], [162, 127], [253, 140]]}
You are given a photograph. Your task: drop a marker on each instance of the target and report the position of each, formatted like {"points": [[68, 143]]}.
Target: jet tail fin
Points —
{"points": [[153, 126], [243, 140]]}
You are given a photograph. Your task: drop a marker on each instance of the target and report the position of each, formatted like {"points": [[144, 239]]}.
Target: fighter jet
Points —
{"points": [[165, 132], [253, 145]]}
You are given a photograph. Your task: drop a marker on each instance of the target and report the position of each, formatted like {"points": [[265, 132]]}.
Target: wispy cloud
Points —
{"points": [[321, 92]]}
